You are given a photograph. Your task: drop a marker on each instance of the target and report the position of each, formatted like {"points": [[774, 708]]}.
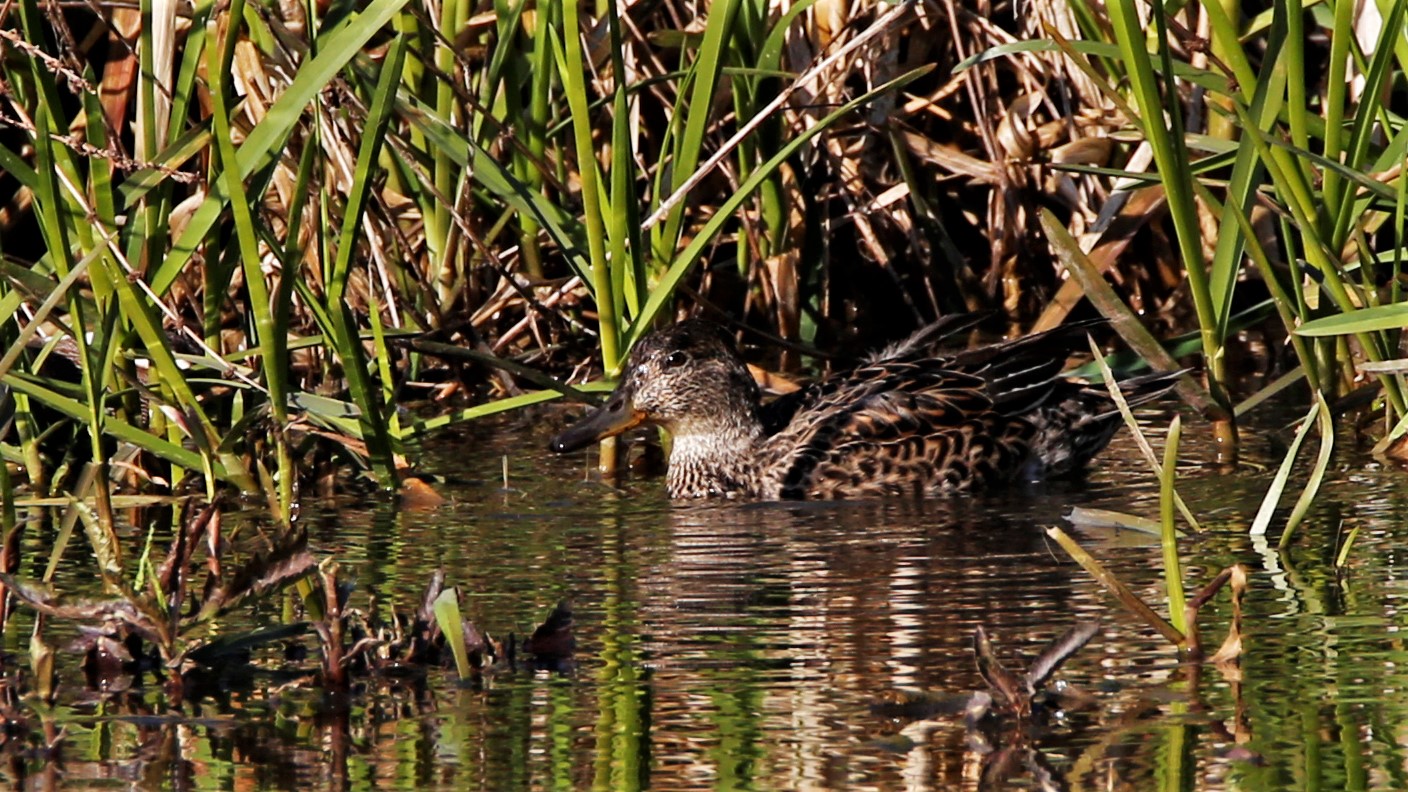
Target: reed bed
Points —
{"points": [[239, 236]]}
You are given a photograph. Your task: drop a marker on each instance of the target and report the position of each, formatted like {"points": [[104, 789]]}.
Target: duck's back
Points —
{"points": [[911, 423], [894, 429]]}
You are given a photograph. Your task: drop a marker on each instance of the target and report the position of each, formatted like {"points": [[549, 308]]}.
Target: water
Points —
{"points": [[764, 646]]}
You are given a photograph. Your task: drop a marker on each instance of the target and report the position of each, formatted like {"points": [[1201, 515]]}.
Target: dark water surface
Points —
{"points": [[729, 646]]}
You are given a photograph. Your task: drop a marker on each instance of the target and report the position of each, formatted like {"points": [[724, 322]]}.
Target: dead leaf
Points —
{"points": [[265, 572], [1231, 648]]}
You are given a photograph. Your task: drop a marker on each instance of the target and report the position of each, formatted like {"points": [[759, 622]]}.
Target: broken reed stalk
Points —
{"points": [[1113, 584], [1187, 637]]}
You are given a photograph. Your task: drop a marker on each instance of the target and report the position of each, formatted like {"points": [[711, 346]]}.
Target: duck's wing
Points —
{"points": [[929, 425], [1022, 374], [819, 396], [1019, 373], [840, 390], [921, 346], [927, 341], [896, 428]]}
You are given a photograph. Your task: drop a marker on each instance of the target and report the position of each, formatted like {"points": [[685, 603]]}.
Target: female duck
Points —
{"points": [[905, 422]]}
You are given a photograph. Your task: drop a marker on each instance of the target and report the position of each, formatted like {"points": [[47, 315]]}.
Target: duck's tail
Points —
{"points": [[1078, 420]]}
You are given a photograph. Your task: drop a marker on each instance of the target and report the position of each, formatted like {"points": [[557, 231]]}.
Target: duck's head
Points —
{"points": [[688, 378]]}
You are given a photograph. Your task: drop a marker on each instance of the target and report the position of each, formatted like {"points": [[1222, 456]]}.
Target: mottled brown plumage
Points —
{"points": [[907, 422]]}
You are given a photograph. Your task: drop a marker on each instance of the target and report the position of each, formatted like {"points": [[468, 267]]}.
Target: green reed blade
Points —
{"points": [[702, 85], [1334, 105], [121, 430], [447, 615], [572, 70], [268, 336], [1171, 158], [265, 142], [501, 182], [1366, 116], [1173, 569], [1209, 79], [1278, 484], [1265, 98], [1364, 320], [421, 427], [348, 345]]}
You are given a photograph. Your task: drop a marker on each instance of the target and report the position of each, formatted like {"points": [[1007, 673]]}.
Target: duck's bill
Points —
{"points": [[609, 420]]}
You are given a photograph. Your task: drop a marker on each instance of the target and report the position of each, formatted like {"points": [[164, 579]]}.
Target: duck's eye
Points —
{"points": [[676, 359]]}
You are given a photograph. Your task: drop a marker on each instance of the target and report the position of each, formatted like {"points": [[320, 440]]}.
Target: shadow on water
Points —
{"points": [[803, 646]]}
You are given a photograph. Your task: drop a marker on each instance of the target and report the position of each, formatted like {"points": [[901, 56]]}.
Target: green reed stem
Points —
{"points": [[271, 339], [573, 70], [1173, 569]]}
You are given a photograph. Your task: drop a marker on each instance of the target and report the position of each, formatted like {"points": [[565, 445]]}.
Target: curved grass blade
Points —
{"points": [[1278, 484], [418, 428], [119, 429], [1139, 439], [1364, 320], [1317, 475], [1204, 78]]}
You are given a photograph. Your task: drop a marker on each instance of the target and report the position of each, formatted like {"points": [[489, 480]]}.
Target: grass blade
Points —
{"points": [[665, 288], [1139, 439], [1278, 484], [265, 142]]}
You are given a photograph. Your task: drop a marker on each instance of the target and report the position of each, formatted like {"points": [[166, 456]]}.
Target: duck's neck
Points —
{"points": [[715, 459]]}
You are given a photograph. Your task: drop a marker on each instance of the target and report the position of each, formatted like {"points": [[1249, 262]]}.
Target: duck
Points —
{"points": [[907, 420]]}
